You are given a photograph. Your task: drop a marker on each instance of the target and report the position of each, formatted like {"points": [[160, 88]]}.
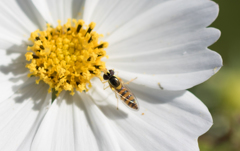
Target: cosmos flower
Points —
{"points": [[161, 42]]}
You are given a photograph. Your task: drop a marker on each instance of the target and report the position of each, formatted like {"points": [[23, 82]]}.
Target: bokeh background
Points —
{"points": [[221, 93]]}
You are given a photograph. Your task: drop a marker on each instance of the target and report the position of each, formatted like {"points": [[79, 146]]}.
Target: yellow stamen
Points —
{"points": [[66, 57]]}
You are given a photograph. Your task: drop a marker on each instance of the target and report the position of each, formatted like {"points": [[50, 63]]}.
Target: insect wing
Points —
{"points": [[122, 98]]}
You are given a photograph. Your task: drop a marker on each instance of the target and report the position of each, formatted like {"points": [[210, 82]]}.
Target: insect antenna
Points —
{"points": [[105, 71]]}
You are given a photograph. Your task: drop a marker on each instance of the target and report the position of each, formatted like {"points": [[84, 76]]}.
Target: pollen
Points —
{"points": [[66, 57]]}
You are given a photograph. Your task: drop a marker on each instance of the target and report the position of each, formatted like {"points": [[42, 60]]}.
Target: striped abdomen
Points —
{"points": [[127, 98]]}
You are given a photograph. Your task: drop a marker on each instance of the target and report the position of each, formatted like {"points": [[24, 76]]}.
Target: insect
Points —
{"points": [[120, 89]]}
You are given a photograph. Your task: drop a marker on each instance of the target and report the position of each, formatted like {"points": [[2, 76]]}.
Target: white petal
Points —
{"points": [[54, 10], [171, 120], [20, 115], [114, 14], [18, 19], [173, 48], [69, 125], [89, 8], [149, 44], [100, 126], [42, 8], [169, 16], [181, 73]]}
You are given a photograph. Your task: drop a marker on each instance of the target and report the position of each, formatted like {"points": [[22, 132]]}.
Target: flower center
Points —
{"points": [[66, 57]]}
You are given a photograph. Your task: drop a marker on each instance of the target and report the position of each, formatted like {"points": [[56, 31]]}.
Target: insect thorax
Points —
{"points": [[114, 81]]}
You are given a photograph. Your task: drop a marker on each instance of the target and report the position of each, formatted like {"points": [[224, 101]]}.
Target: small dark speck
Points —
{"points": [[35, 56], [41, 46], [160, 86], [97, 67]]}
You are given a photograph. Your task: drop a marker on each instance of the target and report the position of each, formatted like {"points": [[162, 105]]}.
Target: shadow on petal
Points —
{"points": [[77, 8], [27, 7], [38, 100], [112, 112], [21, 84], [102, 98]]}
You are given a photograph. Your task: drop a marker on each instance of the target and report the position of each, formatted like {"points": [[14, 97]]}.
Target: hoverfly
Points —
{"points": [[120, 89]]}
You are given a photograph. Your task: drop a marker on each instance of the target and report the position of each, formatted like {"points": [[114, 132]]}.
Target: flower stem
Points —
{"points": [[54, 96]]}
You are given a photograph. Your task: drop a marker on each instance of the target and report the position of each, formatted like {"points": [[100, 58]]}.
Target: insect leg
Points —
{"points": [[104, 82], [117, 99], [130, 81], [105, 87]]}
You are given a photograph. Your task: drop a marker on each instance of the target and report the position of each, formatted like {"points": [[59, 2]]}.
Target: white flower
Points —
{"points": [[161, 42]]}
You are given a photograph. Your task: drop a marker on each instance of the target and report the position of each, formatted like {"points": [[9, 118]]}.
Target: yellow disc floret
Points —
{"points": [[66, 57]]}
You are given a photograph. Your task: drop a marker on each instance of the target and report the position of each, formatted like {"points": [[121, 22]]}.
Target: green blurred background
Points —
{"points": [[221, 93]]}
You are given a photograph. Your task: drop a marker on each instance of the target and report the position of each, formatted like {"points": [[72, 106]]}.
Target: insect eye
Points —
{"points": [[105, 77], [111, 72]]}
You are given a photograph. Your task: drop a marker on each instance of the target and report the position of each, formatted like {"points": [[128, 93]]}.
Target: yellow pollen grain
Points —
{"points": [[66, 57]]}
